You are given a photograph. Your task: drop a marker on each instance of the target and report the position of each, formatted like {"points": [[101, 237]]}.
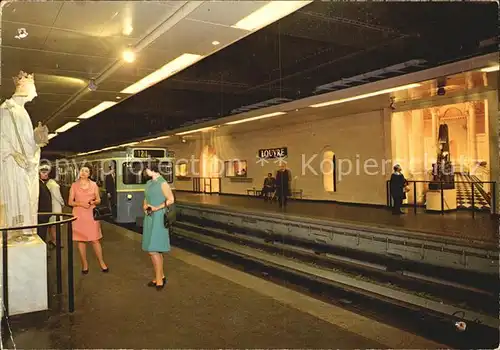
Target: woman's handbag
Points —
{"points": [[101, 212], [170, 216]]}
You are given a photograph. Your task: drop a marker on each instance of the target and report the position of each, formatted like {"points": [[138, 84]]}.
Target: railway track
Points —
{"points": [[419, 303]]}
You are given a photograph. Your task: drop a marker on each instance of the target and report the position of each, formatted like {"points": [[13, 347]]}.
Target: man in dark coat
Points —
{"points": [[283, 179], [397, 187], [44, 202], [110, 182], [269, 186]]}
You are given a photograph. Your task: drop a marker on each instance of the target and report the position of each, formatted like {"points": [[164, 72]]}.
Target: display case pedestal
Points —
{"points": [[433, 200], [27, 275]]}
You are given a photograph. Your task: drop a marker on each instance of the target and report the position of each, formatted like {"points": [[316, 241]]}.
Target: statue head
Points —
{"points": [[25, 86]]}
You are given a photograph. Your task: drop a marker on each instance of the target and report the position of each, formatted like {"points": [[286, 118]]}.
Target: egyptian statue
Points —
{"points": [[443, 169]]}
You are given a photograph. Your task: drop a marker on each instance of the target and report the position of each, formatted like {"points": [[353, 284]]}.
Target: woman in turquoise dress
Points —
{"points": [[155, 236]]}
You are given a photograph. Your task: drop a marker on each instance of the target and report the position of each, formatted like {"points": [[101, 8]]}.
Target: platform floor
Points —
{"points": [[204, 305], [459, 224]]}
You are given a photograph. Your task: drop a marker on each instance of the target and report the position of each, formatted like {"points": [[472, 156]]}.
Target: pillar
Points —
{"points": [[471, 134], [418, 150], [399, 135], [435, 128], [407, 145]]}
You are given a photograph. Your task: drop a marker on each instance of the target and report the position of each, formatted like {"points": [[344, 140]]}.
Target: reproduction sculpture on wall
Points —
{"points": [[442, 171], [20, 148]]}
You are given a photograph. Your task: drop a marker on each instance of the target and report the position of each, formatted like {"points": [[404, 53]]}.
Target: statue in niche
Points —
{"points": [[20, 148], [442, 170]]}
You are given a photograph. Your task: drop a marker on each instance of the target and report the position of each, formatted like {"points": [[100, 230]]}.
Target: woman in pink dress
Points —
{"points": [[83, 197]]}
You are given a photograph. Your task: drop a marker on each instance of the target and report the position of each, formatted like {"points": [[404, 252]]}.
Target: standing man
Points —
{"points": [[397, 186], [283, 179], [111, 189], [44, 202]]}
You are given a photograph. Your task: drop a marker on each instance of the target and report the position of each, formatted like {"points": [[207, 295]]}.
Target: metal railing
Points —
{"points": [[207, 185], [58, 223], [442, 187]]}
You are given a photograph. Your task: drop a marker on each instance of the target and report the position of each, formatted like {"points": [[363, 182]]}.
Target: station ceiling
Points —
{"points": [[322, 42]]}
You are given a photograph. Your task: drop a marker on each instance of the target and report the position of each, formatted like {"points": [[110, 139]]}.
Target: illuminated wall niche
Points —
{"points": [[328, 168]]}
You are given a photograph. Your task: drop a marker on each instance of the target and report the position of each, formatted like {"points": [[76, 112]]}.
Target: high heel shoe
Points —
{"points": [[84, 272], [105, 270], [153, 283]]}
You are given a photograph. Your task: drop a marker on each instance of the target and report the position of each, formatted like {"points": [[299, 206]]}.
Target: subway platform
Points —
{"points": [[457, 226], [204, 305]]}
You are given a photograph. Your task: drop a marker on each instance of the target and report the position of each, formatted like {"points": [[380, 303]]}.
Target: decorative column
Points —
{"points": [[400, 139], [435, 128], [418, 150], [471, 133]]}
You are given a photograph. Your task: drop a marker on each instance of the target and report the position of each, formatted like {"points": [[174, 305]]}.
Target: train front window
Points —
{"points": [[134, 172]]}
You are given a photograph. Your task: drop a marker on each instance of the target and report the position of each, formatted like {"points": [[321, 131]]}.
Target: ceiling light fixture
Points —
{"points": [[66, 127], [92, 85], [128, 56], [21, 33], [371, 94], [269, 13], [215, 43], [97, 109], [491, 69], [196, 130], [269, 115], [169, 69], [127, 29]]}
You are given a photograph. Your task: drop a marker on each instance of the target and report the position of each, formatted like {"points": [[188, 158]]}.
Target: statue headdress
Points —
{"points": [[23, 78]]}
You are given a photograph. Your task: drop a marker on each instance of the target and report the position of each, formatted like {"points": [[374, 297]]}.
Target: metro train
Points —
{"points": [[129, 180]]}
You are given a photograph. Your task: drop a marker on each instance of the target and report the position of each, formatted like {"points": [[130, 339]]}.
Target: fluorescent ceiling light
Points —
{"points": [[108, 148], [66, 127], [269, 13], [192, 131], [169, 69], [51, 136], [269, 115], [491, 69], [97, 109], [354, 98], [128, 144], [156, 139]]}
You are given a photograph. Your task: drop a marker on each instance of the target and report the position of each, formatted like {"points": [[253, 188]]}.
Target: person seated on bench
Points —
{"points": [[269, 186]]}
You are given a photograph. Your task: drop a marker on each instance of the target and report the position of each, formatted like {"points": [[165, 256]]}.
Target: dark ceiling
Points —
{"points": [[321, 43]]}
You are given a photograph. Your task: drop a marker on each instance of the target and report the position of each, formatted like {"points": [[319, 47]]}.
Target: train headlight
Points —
{"points": [[129, 196]]}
